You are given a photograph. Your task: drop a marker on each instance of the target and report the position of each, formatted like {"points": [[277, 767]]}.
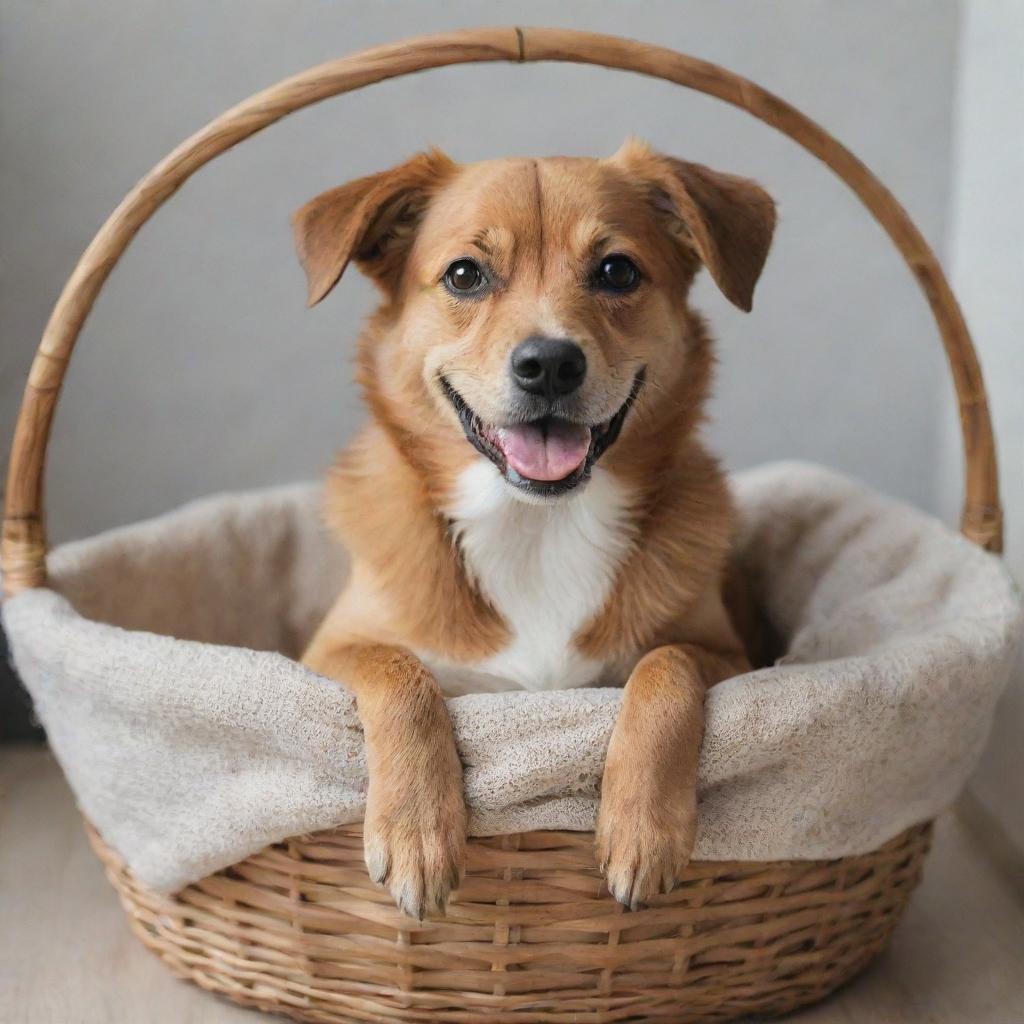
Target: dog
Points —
{"points": [[530, 505]]}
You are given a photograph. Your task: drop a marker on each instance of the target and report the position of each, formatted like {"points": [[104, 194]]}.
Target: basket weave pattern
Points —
{"points": [[531, 936]]}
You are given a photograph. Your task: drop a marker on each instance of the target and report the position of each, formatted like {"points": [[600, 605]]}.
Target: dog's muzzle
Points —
{"points": [[546, 456]]}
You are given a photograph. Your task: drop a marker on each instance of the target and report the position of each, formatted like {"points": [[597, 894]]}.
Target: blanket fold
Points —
{"points": [[160, 663]]}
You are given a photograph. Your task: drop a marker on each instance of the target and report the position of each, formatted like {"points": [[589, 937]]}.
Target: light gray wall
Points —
{"points": [[987, 256], [200, 368]]}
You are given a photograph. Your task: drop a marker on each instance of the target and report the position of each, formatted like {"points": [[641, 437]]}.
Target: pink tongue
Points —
{"points": [[545, 455]]}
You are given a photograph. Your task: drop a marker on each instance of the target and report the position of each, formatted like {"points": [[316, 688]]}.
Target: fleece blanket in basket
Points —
{"points": [[160, 664]]}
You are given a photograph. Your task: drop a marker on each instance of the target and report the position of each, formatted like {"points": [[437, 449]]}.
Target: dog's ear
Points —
{"points": [[727, 221], [371, 220]]}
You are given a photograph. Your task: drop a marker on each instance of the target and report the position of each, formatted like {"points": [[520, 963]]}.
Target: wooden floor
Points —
{"points": [[67, 957]]}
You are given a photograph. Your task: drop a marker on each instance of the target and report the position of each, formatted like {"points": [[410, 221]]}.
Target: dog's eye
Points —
{"points": [[464, 277], [617, 273]]}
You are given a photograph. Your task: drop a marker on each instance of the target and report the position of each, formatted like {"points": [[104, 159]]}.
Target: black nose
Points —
{"points": [[548, 366]]}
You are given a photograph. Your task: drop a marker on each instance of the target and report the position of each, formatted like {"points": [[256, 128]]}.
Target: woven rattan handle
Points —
{"points": [[24, 536]]}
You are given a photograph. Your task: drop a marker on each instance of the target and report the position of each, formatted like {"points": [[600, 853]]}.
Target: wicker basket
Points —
{"points": [[532, 935]]}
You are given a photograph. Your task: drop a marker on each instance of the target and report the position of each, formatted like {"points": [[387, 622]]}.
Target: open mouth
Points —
{"points": [[546, 456]]}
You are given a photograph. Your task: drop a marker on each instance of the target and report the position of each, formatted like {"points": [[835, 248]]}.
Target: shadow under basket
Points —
{"points": [[531, 936]]}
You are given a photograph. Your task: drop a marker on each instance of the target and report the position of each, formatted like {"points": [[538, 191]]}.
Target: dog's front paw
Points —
{"points": [[415, 844], [644, 838]]}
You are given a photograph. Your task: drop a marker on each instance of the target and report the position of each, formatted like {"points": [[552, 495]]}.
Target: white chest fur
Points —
{"points": [[547, 568]]}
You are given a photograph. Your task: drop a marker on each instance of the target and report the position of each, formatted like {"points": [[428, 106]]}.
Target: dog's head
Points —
{"points": [[531, 304]]}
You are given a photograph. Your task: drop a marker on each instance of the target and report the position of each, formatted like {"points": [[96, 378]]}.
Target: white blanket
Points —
{"points": [[159, 665]]}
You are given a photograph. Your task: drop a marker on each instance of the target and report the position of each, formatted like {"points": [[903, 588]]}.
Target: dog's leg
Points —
{"points": [[647, 823], [414, 833]]}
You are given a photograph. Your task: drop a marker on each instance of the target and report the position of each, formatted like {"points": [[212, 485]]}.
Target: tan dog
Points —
{"points": [[529, 506]]}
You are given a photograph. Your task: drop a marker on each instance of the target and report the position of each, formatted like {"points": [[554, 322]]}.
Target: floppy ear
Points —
{"points": [[371, 220], [728, 221]]}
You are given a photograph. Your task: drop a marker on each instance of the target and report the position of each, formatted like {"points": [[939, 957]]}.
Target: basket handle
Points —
{"points": [[24, 537]]}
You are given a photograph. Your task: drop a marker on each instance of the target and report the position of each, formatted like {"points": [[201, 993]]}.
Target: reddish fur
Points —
{"points": [[536, 223]]}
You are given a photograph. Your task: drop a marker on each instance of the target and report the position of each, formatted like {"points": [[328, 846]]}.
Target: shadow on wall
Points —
{"points": [[16, 719]]}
